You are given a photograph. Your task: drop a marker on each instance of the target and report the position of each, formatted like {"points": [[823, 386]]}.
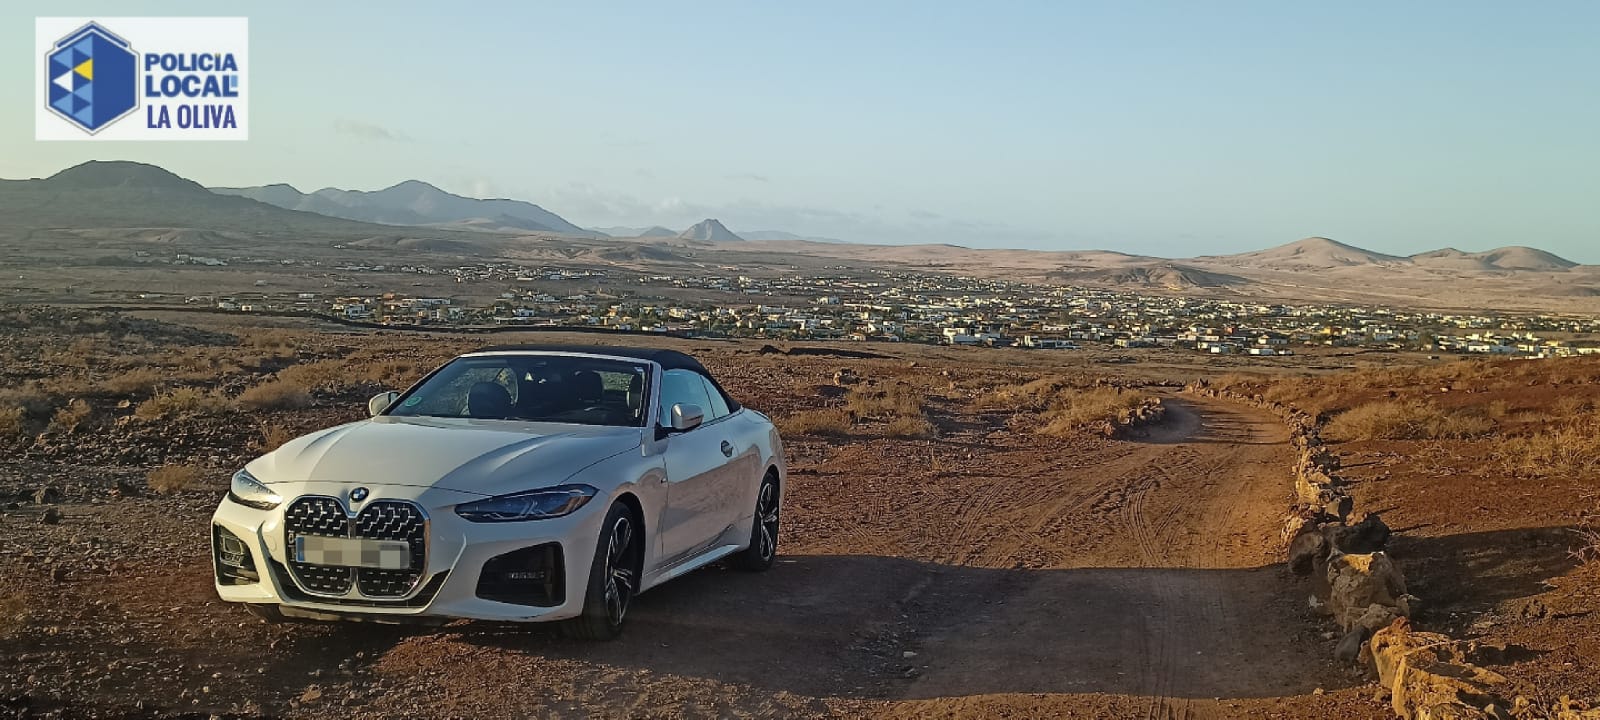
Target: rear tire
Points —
{"points": [[763, 548], [613, 578]]}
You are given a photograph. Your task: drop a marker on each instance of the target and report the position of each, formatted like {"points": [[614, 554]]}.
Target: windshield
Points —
{"points": [[537, 388]]}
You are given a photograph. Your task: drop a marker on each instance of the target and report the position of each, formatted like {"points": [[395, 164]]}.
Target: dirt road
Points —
{"points": [[985, 574]]}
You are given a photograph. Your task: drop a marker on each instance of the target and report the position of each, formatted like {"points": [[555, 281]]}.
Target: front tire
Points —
{"points": [[613, 578], [763, 548]]}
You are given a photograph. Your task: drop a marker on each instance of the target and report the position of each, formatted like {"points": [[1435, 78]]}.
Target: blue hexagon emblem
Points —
{"points": [[93, 77]]}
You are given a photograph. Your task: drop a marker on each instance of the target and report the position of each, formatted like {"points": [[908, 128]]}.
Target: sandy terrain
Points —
{"points": [[990, 572]]}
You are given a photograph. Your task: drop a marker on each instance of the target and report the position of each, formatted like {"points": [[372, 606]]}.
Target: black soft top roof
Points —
{"points": [[667, 359]]}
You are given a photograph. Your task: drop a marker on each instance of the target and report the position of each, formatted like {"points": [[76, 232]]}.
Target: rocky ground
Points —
{"points": [[982, 568]]}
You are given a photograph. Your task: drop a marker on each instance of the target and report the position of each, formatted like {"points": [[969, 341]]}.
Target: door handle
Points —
{"points": [[727, 449]]}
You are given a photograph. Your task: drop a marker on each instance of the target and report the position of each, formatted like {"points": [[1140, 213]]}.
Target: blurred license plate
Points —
{"points": [[353, 552]]}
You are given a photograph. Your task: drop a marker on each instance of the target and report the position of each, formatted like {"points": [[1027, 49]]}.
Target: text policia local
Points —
{"points": [[193, 76]]}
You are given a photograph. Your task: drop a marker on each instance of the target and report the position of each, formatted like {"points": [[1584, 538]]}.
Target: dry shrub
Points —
{"points": [[33, 400], [1570, 451], [273, 437], [12, 421], [896, 401], [826, 421], [77, 354], [276, 395], [909, 427], [13, 614], [1033, 396], [138, 381], [69, 417], [183, 402], [320, 375], [198, 361], [1071, 411], [1407, 420], [273, 340], [1571, 407], [169, 479], [1589, 534], [1245, 383], [393, 373]]}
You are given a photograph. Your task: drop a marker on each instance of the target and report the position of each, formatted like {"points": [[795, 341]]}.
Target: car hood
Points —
{"points": [[487, 457]]}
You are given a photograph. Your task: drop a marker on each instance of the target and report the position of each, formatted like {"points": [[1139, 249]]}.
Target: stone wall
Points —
{"points": [[1427, 676]]}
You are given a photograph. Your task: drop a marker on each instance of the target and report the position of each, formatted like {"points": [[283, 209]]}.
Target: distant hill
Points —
{"points": [[118, 194], [413, 202], [1169, 276], [1515, 257], [709, 230], [1310, 253], [628, 232]]}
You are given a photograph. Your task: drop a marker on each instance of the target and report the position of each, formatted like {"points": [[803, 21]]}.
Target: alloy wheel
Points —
{"points": [[619, 570], [767, 518]]}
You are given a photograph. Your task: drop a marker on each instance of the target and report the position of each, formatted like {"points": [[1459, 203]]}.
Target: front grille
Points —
{"points": [[324, 517], [390, 520], [234, 562], [381, 520]]}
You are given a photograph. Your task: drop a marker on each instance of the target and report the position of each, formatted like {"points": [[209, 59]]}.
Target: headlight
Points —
{"points": [[532, 505], [248, 491]]}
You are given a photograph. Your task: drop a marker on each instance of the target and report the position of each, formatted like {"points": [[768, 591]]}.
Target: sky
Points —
{"points": [[1167, 128]]}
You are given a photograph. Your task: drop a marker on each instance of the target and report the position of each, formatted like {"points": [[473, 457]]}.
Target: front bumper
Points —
{"points": [[455, 559]]}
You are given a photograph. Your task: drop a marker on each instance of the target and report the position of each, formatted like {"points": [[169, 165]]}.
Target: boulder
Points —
{"points": [[1339, 507], [1349, 648], [1368, 534], [1357, 582], [1429, 677], [1309, 491], [1295, 522], [1569, 709], [1306, 549]]}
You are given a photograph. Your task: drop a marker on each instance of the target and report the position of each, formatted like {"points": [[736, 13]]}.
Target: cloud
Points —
{"points": [[367, 131], [752, 177]]}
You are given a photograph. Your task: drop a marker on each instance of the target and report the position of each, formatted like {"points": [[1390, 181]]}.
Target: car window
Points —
{"points": [[682, 386], [449, 393], [586, 391], [719, 405]]}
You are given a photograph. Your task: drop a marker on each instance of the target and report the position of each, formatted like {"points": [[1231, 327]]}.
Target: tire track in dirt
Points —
{"points": [[1169, 614]]}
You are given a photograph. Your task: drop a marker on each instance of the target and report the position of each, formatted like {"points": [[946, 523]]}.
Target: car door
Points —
{"points": [[695, 511], [737, 499]]}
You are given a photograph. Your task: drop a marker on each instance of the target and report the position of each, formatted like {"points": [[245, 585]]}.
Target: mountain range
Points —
{"points": [[113, 211], [100, 194], [413, 202], [1320, 253]]}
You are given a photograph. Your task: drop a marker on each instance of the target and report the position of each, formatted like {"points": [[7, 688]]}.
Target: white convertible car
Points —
{"points": [[517, 483]]}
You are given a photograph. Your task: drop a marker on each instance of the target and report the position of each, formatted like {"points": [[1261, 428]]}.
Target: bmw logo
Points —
{"points": [[358, 494]]}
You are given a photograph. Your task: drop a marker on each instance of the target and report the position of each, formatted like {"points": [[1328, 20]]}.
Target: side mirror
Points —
{"points": [[381, 402], [686, 417]]}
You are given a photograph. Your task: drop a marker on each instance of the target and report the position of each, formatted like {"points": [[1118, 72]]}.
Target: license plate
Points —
{"points": [[353, 552]]}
